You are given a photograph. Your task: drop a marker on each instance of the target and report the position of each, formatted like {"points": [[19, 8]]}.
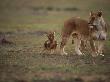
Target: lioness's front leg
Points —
{"points": [[93, 47], [100, 48]]}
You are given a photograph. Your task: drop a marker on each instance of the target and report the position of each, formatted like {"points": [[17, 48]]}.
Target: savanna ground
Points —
{"points": [[25, 23]]}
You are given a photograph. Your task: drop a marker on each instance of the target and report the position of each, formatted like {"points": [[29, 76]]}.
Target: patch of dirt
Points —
{"points": [[3, 39]]}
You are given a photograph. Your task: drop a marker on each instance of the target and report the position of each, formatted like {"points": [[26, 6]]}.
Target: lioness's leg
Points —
{"points": [[100, 47], [77, 43], [83, 45], [62, 46], [94, 51]]}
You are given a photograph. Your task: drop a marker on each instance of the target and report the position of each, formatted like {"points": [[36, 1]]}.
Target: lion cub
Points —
{"points": [[51, 43]]}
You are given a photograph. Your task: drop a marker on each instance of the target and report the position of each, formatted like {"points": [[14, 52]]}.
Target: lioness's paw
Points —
{"points": [[81, 54], [64, 53], [94, 54], [101, 54]]}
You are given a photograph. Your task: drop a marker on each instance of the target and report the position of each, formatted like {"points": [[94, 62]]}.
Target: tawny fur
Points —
{"points": [[100, 27], [81, 31]]}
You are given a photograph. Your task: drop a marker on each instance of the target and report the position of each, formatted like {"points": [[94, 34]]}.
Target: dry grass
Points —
{"points": [[25, 22]]}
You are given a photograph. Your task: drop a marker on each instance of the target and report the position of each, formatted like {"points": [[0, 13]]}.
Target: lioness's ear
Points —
{"points": [[91, 13], [99, 13]]}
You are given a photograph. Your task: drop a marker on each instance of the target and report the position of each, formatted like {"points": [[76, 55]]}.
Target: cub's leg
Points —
{"points": [[51, 51]]}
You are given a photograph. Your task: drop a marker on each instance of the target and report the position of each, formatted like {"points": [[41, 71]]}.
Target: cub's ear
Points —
{"points": [[54, 33], [91, 13], [99, 13]]}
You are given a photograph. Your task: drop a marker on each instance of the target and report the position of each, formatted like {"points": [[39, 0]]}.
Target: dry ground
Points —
{"points": [[25, 22]]}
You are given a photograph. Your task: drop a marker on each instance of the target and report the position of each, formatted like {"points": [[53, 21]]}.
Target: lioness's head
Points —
{"points": [[97, 26]]}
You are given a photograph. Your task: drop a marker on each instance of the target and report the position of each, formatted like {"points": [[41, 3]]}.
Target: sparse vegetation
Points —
{"points": [[23, 62]]}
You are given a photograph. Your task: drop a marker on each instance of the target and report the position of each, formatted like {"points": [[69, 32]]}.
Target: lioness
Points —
{"points": [[99, 30], [91, 30]]}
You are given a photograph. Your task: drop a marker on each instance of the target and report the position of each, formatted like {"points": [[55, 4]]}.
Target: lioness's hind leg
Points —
{"points": [[62, 46], [77, 43]]}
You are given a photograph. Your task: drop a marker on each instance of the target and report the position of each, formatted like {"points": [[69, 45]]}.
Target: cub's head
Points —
{"points": [[51, 35]]}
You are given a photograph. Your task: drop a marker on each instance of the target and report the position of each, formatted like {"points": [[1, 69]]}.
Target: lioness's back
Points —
{"points": [[76, 24]]}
